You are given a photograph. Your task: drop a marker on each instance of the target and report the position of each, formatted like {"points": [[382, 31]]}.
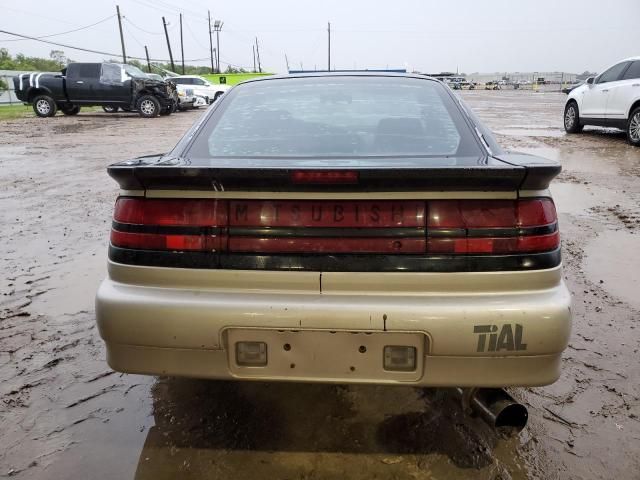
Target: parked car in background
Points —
{"points": [[337, 227], [201, 87], [569, 88], [111, 85], [155, 76], [612, 99]]}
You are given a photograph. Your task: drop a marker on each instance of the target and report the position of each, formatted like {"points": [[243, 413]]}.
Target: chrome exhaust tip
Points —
{"points": [[495, 406]]}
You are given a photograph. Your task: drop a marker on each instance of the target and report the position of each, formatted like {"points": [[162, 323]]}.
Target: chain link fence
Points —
{"points": [[8, 97]]}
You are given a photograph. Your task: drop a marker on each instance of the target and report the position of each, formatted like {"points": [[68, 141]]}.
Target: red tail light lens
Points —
{"points": [[490, 213], [440, 227], [492, 226], [172, 224], [352, 214], [181, 212], [529, 244]]}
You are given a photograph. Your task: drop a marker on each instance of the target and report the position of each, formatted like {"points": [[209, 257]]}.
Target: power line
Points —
{"points": [[171, 9], [142, 29], [28, 37], [64, 33]]}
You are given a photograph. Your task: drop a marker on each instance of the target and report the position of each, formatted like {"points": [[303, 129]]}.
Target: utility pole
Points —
{"points": [[124, 53], [253, 49], [210, 39], [181, 45], [286, 60], [166, 34], [329, 46], [258, 55], [146, 52]]}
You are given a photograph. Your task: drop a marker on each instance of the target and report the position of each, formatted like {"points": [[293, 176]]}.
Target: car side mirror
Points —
{"points": [[590, 80]]}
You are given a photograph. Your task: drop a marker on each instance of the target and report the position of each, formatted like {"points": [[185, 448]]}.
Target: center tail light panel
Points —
{"points": [[392, 227]]}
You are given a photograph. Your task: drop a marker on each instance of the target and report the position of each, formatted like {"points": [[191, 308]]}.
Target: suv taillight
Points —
{"points": [[451, 227]]}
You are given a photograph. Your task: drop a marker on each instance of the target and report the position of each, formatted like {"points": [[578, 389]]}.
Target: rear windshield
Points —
{"points": [[336, 117]]}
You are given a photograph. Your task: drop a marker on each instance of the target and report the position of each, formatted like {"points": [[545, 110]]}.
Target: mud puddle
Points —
{"points": [[609, 263]]}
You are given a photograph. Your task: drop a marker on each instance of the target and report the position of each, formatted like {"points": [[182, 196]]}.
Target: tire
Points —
{"points": [[633, 128], [44, 106], [72, 110], [166, 111], [148, 106], [110, 108], [217, 96], [571, 118]]}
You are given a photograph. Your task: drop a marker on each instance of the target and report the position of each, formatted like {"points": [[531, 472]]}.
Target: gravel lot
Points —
{"points": [[65, 414]]}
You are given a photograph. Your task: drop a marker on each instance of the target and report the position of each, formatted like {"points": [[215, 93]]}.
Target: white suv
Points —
{"points": [[612, 99], [201, 87]]}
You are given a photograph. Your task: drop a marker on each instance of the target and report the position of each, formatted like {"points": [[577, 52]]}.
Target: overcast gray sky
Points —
{"points": [[428, 36]]}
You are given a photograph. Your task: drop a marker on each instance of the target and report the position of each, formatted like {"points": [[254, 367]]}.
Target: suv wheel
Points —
{"points": [[148, 106], [44, 106], [110, 108], [572, 118], [633, 128]]}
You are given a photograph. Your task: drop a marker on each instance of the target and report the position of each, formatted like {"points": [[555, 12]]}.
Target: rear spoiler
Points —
{"points": [[505, 172]]}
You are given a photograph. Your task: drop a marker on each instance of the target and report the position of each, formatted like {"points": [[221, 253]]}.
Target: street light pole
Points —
{"points": [[181, 45], [329, 46], [210, 41], [217, 26]]}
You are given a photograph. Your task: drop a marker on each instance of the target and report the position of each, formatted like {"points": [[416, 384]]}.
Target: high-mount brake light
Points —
{"points": [[325, 177]]}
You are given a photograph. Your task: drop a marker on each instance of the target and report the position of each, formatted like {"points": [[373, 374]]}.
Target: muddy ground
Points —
{"points": [[65, 414]]}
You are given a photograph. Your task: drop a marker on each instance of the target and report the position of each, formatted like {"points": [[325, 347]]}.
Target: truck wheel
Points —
{"points": [[217, 96], [44, 106], [633, 128], [148, 106], [110, 108], [73, 110], [572, 118]]}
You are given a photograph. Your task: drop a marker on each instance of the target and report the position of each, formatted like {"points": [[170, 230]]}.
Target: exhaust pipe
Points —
{"points": [[495, 406]]}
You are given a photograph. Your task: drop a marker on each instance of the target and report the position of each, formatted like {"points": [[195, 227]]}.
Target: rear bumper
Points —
{"points": [[440, 371], [166, 321]]}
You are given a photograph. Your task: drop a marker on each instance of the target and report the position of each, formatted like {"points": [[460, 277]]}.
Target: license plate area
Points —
{"points": [[323, 355]]}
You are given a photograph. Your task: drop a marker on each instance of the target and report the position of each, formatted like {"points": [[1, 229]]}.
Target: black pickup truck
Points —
{"points": [[111, 85]]}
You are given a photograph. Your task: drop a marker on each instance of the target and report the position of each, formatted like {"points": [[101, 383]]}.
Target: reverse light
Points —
{"points": [[399, 358], [251, 354]]}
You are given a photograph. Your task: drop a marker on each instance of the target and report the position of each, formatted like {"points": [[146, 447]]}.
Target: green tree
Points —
{"points": [[3, 85], [56, 61], [58, 57]]}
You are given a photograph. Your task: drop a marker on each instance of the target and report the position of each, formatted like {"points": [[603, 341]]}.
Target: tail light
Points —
{"points": [[492, 226], [440, 227], [179, 225]]}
